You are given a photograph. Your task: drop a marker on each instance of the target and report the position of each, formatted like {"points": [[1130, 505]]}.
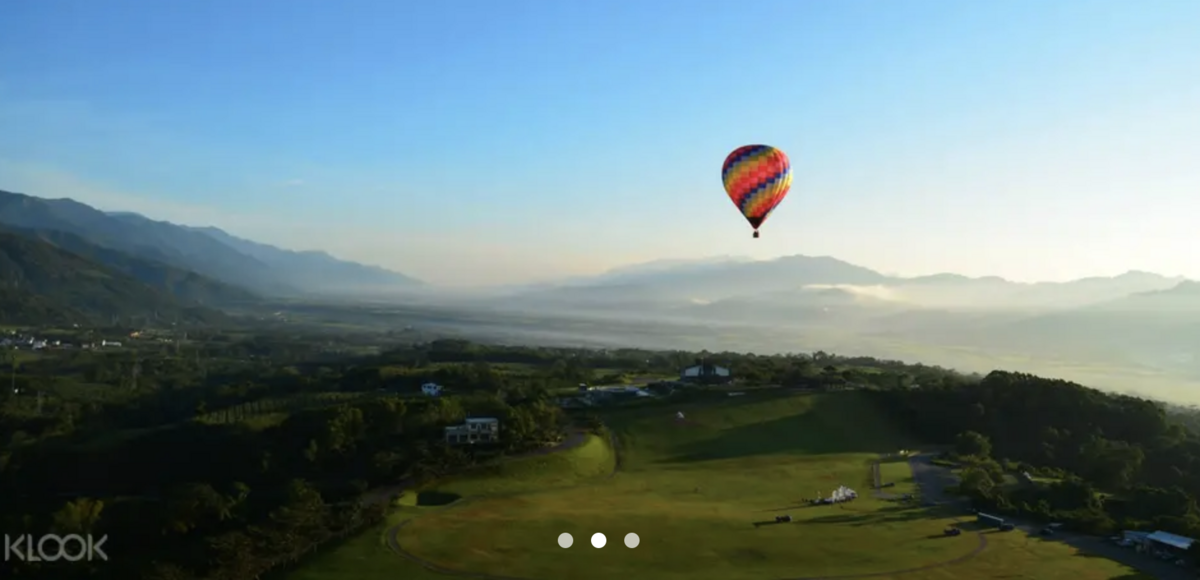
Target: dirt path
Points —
{"points": [[877, 483]]}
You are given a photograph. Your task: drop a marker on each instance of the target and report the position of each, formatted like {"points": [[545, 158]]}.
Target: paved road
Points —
{"points": [[934, 479]]}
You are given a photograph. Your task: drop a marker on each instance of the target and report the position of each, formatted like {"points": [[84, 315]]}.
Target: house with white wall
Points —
{"points": [[474, 430]]}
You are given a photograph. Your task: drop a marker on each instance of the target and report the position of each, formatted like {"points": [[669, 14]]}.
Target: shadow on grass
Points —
{"points": [[974, 526], [939, 536], [823, 429], [801, 505], [888, 515], [1149, 567], [434, 498], [771, 523]]}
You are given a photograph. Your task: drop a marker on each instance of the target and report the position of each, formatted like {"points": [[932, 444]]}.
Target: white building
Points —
{"points": [[431, 389], [474, 430]]}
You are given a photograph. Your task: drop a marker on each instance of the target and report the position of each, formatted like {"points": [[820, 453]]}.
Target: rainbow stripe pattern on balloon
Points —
{"points": [[757, 178]]}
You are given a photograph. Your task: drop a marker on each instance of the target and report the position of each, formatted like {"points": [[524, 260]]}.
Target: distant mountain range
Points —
{"points": [[1136, 319], [822, 282], [65, 260], [206, 251]]}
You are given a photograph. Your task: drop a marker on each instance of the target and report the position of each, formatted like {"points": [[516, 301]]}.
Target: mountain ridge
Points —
{"points": [[182, 284], [717, 279], [318, 266], [207, 251], [42, 283]]}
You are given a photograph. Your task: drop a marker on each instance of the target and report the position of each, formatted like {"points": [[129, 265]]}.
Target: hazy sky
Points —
{"points": [[504, 141]]}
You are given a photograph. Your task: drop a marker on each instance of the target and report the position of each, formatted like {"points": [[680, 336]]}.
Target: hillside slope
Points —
{"points": [[161, 243], [184, 285], [313, 270], [207, 251], [41, 283]]}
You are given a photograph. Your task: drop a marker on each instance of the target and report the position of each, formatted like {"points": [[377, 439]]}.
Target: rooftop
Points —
{"points": [[1173, 540]]}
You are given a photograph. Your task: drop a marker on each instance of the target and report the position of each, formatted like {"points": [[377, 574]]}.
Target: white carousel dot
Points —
{"points": [[598, 540]]}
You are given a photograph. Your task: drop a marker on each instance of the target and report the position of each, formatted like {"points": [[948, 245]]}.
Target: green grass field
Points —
{"points": [[693, 491]]}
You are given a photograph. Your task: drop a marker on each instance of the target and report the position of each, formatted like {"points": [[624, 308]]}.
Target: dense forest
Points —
{"points": [[238, 454]]}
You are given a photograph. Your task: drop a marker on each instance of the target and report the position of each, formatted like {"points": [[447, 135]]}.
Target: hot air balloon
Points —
{"points": [[757, 178]]}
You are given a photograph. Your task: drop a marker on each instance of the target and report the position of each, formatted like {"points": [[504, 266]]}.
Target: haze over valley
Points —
{"points": [[1132, 332]]}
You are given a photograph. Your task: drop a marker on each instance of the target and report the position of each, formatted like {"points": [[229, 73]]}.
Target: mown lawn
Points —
{"points": [[694, 491]]}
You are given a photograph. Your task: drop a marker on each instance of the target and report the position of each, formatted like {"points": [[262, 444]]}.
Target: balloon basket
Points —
{"points": [[756, 234]]}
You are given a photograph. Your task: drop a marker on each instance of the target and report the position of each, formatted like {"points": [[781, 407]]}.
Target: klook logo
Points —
{"points": [[53, 547]]}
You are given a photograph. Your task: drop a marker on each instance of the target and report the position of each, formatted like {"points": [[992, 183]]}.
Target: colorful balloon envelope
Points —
{"points": [[757, 178]]}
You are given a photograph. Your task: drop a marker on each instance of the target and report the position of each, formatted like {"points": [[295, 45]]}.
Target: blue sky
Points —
{"points": [[471, 142]]}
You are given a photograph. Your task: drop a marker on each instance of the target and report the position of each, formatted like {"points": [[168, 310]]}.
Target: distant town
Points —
{"points": [[22, 341]]}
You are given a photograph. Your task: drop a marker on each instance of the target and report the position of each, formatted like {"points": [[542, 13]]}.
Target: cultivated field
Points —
{"points": [[702, 494]]}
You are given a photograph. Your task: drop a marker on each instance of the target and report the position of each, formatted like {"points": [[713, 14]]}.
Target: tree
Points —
{"points": [[976, 483], [78, 516], [194, 505], [972, 444]]}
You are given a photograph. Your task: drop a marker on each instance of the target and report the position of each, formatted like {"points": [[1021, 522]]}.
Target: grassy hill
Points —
{"points": [[701, 494], [41, 283]]}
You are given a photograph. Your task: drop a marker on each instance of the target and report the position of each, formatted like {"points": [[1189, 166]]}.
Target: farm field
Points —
{"points": [[702, 495]]}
